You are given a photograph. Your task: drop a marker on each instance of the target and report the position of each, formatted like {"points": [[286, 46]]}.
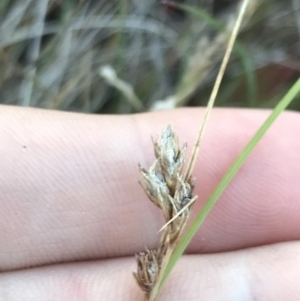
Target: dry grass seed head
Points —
{"points": [[165, 186]]}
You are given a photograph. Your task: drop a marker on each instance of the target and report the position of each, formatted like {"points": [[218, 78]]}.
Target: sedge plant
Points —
{"points": [[171, 188]]}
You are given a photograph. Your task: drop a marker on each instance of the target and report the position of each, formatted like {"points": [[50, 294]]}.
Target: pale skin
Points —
{"points": [[73, 214]]}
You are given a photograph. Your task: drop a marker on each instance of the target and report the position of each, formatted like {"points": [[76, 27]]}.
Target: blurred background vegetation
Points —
{"points": [[124, 56]]}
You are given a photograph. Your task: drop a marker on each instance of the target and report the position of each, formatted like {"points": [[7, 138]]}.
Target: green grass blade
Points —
{"points": [[250, 75], [285, 101], [201, 14]]}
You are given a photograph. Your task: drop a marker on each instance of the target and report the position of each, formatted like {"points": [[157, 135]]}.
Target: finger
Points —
{"points": [[266, 273], [69, 183]]}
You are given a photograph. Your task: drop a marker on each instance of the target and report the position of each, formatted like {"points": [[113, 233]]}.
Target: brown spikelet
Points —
{"points": [[147, 270], [165, 186]]}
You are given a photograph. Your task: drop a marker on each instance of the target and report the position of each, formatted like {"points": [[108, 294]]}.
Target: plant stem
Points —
{"points": [[216, 86], [164, 265]]}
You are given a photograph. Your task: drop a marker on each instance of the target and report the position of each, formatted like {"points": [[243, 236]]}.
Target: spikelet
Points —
{"points": [[165, 186]]}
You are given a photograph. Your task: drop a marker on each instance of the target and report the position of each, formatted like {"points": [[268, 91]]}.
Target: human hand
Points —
{"points": [[73, 214]]}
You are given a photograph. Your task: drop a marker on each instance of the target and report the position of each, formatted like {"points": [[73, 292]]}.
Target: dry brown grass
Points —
{"points": [[51, 52]]}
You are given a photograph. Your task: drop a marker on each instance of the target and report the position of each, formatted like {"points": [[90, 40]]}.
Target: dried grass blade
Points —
{"points": [[245, 59], [216, 87], [179, 212]]}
